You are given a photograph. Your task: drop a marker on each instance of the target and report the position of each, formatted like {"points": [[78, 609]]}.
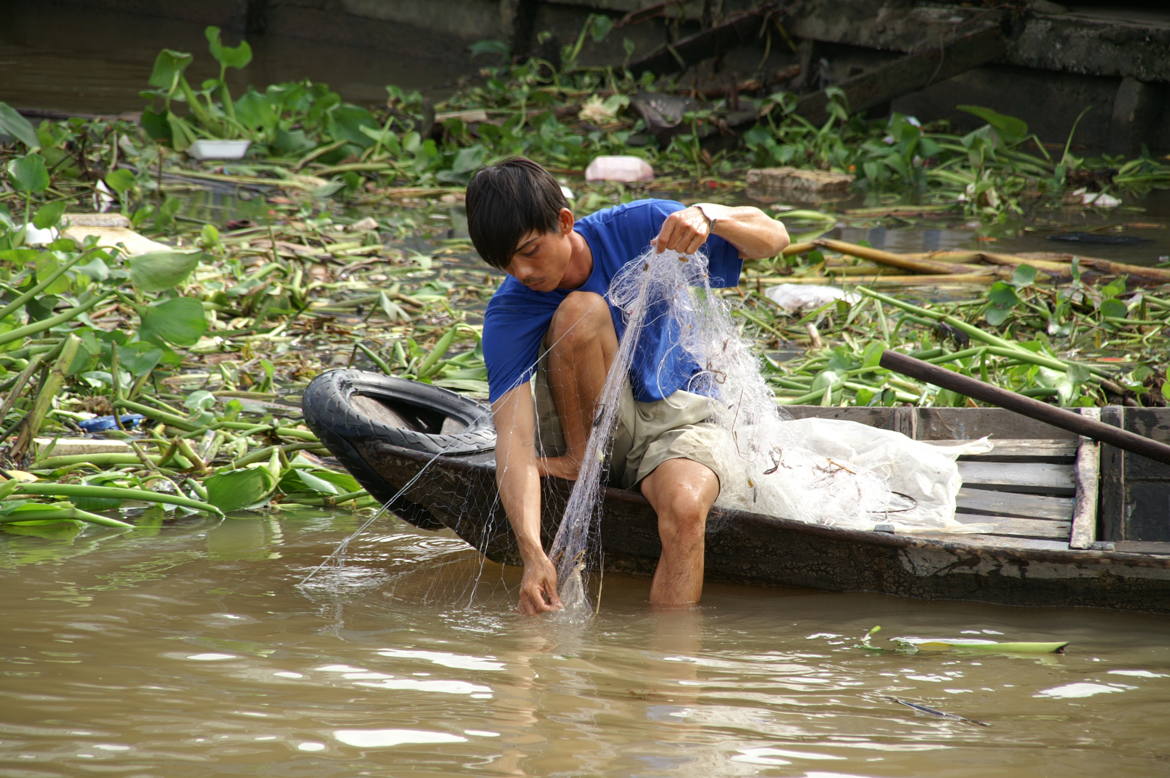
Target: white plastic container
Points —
{"points": [[624, 169], [219, 149]]}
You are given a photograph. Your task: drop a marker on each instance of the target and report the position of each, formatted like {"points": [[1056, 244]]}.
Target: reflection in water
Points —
{"points": [[194, 652]]}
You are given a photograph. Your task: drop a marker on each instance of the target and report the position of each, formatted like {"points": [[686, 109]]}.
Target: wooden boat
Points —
{"points": [[1076, 522]]}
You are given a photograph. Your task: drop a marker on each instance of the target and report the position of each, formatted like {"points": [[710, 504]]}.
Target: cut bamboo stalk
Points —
{"points": [[799, 248], [898, 260], [1053, 269], [887, 280], [1154, 275]]}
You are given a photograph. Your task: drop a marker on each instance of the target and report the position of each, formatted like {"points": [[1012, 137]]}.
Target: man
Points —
{"points": [[551, 310]]}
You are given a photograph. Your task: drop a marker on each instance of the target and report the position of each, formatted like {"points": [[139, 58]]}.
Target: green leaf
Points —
{"points": [[29, 174], [1114, 288], [18, 127], [310, 482], [168, 66], [498, 48], [978, 646], [346, 122], [227, 56], [139, 358], [181, 133], [873, 354], [254, 111], [599, 27], [234, 490], [161, 270], [156, 125], [1113, 307], [179, 320], [1011, 129], [997, 316], [1166, 385], [120, 180], [1024, 275], [1002, 295], [48, 215]]}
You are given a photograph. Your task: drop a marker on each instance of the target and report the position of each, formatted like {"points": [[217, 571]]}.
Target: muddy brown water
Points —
{"points": [[193, 651]]}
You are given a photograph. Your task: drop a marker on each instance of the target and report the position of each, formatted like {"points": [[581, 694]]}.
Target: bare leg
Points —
{"points": [[582, 345], [682, 492]]}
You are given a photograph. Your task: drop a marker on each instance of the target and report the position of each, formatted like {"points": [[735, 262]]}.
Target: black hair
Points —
{"points": [[508, 200]]}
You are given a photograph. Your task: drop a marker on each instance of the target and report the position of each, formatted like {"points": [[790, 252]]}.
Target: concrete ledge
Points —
{"points": [[1102, 44]]}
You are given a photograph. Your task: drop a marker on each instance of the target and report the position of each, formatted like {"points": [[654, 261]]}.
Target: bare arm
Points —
{"points": [[518, 479], [755, 234]]}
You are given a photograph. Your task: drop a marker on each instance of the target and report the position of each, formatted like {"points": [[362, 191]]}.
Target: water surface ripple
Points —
{"points": [[196, 651]]}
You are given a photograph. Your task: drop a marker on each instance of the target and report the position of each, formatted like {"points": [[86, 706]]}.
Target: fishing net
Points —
{"points": [[821, 471]]}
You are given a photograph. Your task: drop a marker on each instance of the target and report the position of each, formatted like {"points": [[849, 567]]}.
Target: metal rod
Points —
{"points": [[1057, 417]]}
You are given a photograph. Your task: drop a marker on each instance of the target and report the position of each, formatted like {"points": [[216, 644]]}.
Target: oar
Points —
{"points": [[1057, 417]]}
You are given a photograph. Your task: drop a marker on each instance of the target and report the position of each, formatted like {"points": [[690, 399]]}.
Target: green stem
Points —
{"points": [[113, 493], [42, 286], [64, 514], [20, 333], [170, 419], [100, 460]]}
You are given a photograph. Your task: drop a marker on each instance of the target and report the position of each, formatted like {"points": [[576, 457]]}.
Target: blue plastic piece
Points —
{"points": [[103, 423]]}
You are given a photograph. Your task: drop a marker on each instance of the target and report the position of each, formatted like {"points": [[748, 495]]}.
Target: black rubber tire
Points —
{"points": [[328, 403], [339, 421]]}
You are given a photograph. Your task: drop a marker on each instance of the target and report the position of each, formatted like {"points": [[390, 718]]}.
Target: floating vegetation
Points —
{"points": [[194, 332]]}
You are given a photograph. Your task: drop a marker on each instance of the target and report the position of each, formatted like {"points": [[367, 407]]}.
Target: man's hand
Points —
{"points": [[538, 587], [684, 231]]}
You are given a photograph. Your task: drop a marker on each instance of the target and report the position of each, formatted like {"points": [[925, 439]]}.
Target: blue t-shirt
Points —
{"points": [[517, 317]]}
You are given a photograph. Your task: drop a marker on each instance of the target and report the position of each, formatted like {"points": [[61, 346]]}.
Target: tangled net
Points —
{"points": [[821, 471]]}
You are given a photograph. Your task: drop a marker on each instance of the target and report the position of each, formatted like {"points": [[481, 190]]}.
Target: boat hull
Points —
{"points": [[1068, 522], [744, 547]]}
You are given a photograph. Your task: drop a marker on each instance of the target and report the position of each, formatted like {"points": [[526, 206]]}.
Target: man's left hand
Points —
{"points": [[684, 231]]}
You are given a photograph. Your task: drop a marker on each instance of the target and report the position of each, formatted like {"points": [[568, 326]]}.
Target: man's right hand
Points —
{"points": [[538, 587]]}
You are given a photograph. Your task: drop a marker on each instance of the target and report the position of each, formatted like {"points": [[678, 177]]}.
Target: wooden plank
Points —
{"points": [[1025, 528], [1147, 482], [58, 447], [910, 73], [1088, 476], [1159, 547], [968, 423], [1034, 506], [1040, 477], [1111, 519], [1032, 448], [673, 57], [998, 541]]}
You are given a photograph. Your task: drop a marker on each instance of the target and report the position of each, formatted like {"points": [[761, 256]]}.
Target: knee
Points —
{"points": [[580, 318], [684, 517]]}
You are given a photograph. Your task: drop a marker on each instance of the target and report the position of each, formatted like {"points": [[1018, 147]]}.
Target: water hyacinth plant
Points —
{"points": [[345, 248]]}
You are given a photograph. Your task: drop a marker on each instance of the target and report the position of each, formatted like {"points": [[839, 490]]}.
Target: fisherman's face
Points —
{"points": [[541, 259]]}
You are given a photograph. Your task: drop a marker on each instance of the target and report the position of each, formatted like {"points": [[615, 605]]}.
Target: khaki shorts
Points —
{"points": [[645, 435]]}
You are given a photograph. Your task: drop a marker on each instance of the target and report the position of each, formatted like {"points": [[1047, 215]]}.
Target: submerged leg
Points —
{"points": [[582, 344], [682, 492]]}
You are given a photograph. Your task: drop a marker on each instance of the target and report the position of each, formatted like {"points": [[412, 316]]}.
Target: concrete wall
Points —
{"points": [[1058, 60]]}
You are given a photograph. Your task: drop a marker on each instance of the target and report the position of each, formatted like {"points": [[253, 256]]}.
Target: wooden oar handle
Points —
{"points": [[1057, 417]]}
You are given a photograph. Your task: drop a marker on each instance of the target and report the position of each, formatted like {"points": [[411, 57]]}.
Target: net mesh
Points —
{"points": [[822, 471]]}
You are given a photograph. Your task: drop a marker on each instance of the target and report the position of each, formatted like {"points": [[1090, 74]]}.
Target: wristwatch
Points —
{"points": [[710, 222]]}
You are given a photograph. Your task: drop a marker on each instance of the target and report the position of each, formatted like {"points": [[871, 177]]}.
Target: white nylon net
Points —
{"points": [[821, 471]]}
